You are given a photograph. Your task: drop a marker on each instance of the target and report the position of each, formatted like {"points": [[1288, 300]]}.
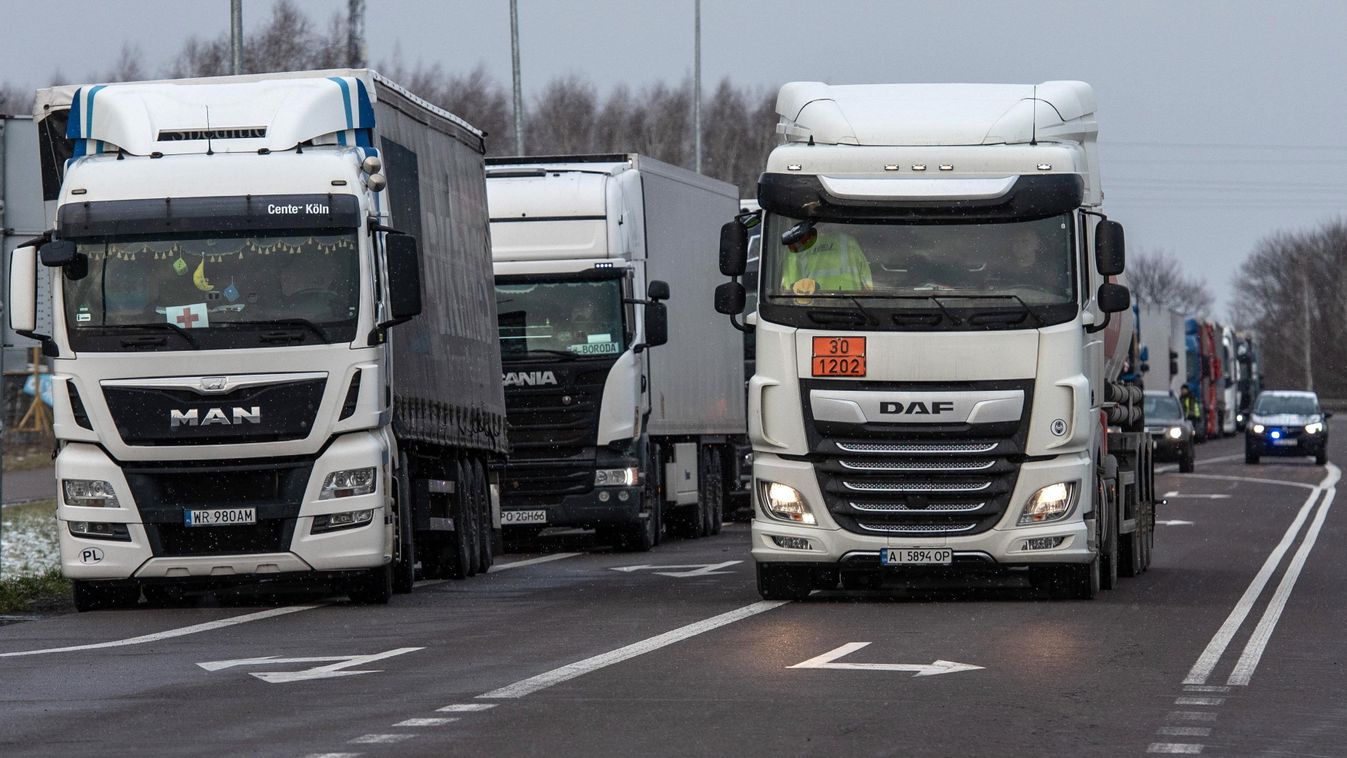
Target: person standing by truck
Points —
{"points": [[1192, 410]]}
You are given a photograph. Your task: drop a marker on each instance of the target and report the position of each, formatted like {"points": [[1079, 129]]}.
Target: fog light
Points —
{"points": [[603, 496], [332, 522], [89, 493], [623, 496], [793, 543], [1050, 503], [1042, 543], [99, 530], [785, 503], [348, 483]]}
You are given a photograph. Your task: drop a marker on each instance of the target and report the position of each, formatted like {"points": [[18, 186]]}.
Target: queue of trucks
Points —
{"points": [[301, 328]]}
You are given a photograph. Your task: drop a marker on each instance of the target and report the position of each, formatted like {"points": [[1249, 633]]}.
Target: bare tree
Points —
{"points": [[563, 118], [14, 100], [1156, 277], [288, 42], [127, 68], [473, 96]]}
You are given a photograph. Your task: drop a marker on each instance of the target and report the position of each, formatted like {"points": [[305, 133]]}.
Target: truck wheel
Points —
{"points": [[715, 511], [654, 488], [1250, 457], [1321, 458], [374, 587], [94, 596], [474, 516], [166, 595], [638, 537], [784, 582], [1107, 521], [1187, 462], [1076, 581], [404, 541], [453, 556], [486, 531]]}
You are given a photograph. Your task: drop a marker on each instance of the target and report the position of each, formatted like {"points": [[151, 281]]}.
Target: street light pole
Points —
{"points": [[697, 86], [355, 34], [236, 34], [518, 91]]}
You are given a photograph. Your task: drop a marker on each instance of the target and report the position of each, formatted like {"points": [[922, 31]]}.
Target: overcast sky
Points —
{"points": [[1220, 122]]}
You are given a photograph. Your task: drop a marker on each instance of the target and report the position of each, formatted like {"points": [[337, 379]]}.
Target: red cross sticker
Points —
{"points": [[187, 318]]}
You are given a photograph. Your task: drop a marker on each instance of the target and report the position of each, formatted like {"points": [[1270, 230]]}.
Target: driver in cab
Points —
{"points": [[827, 261]]}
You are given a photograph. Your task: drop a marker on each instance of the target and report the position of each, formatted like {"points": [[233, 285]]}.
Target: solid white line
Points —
{"points": [[332, 755], [424, 722], [570, 671], [381, 739], [1172, 467], [466, 708], [1216, 647], [1174, 748], [530, 562], [1253, 650], [1255, 480], [1184, 731], [209, 626]]}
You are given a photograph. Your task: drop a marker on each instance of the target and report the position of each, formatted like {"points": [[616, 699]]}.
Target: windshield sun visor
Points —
{"points": [[1013, 198], [207, 214]]}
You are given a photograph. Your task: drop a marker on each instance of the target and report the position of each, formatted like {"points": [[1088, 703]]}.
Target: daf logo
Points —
{"points": [[917, 408], [528, 378], [214, 417], [213, 383]]}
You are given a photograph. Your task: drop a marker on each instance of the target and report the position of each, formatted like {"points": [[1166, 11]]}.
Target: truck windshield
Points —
{"points": [[570, 317], [215, 291], [948, 269]]}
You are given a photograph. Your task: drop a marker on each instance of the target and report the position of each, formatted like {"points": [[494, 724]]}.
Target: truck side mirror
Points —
{"points": [[23, 290], [1173, 363], [1109, 255], [1113, 298], [733, 248], [58, 253], [656, 324], [404, 278], [657, 290], [730, 298]]}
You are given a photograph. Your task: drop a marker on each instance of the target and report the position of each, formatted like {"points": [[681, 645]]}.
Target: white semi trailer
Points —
{"points": [[248, 382], [599, 261], [939, 342]]}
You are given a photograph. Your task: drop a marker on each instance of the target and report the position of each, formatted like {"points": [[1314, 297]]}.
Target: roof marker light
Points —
{"points": [[890, 166], [1045, 167], [946, 167], [794, 167], [918, 166]]}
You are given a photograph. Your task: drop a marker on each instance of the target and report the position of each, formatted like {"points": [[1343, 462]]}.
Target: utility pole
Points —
{"points": [[518, 91], [236, 33], [355, 34], [697, 86], [1305, 309]]}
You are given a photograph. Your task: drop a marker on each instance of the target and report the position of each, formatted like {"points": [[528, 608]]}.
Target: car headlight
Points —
{"points": [[1314, 428], [1175, 432], [89, 493], [1258, 428], [617, 477], [348, 483], [1049, 503], [785, 503], [1239, 418]]}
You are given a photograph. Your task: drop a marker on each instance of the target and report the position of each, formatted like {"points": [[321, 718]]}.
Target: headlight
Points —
{"points": [[1239, 418], [785, 503], [348, 483], [89, 493], [1050, 503], [1258, 428], [617, 477], [333, 521], [1175, 432], [1314, 428]]}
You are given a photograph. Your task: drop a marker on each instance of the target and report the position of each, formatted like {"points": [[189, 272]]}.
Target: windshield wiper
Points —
{"points": [[282, 322], [988, 317], [191, 340], [568, 355]]}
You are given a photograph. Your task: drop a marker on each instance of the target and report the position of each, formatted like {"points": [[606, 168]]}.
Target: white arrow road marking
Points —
{"points": [[695, 569], [828, 661], [1174, 522], [337, 667]]}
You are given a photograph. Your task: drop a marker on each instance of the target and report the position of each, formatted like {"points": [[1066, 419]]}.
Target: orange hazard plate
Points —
{"points": [[839, 356]]}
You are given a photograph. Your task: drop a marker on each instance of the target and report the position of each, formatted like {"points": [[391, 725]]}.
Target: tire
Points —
{"points": [[96, 596], [473, 516], [1107, 521], [715, 490], [654, 487], [1250, 457], [375, 587], [166, 595], [870, 580], [404, 539], [486, 531], [784, 582], [452, 549], [638, 537], [1077, 581], [1188, 461], [1321, 458]]}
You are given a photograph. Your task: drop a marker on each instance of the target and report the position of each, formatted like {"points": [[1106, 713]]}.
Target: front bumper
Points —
{"points": [[1002, 546], [1299, 444], [151, 554]]}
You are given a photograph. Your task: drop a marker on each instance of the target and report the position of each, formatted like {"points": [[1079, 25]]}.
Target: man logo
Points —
{"points": [[214, 417], [528, 378], [917, 408]]}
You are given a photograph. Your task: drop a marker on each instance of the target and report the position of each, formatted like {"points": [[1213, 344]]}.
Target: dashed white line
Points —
{"points": [[466, 707], [1206, 688], [1185, 731], [1192, 715], [530, 562], [381, 739], [1178, 748], [1199, 701], [332, 755], [425, 722], [579, 668]]}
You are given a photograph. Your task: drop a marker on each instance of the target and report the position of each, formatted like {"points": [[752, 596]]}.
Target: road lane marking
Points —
{"points": [[1199, 701], [1173, 522], [381, 739], [1184, 731], [1196, 496], [1174, 748], [1254, 480], [1172, 467], [425, 722], [1206, 688], [337, 665], [1193, 715], [208, 626], [579, 668], [333, 755], [828, 661], [530, 562], [1206, 662], [1253, 650], [692, 569], [466, 707]]}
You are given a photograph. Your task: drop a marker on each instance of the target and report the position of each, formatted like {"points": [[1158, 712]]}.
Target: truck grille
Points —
{"points": [[285, 411], [553, 430]]}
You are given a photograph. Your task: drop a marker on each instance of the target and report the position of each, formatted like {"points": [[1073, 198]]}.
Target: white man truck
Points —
{"points": [[938, 343], [236, 395], [599, 261]]}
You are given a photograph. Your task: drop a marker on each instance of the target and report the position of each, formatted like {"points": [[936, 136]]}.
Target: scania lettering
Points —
{"points": [[599, 260], [940, 332], [248, 385]]}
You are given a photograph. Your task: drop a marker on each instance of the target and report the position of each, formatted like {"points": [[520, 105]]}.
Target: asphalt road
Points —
{"points": [[1232, 644]]}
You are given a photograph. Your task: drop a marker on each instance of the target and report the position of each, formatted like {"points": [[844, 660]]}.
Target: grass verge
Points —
{"points": [[47, 591]]}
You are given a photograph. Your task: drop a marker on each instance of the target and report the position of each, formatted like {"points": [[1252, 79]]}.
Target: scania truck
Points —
{"points": [[249, 383], [939, 339], [600, 260]]}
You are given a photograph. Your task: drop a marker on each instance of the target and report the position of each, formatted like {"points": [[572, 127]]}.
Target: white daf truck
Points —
{"points": [[248, 382], [938, 343], [600, 260]]}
